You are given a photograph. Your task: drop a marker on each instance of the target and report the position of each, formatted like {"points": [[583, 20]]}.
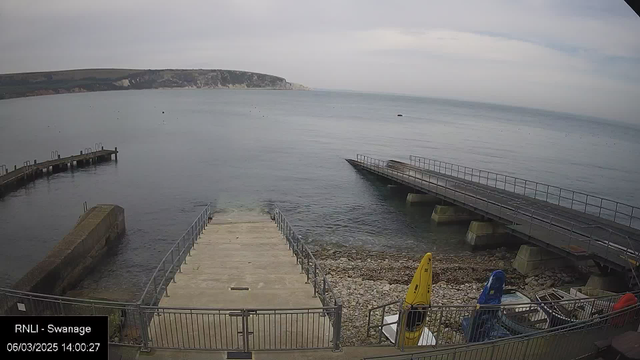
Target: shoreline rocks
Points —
{"points": [[364, 279]]}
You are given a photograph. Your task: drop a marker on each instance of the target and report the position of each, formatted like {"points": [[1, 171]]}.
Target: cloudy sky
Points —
{"points": [[579, 56]]}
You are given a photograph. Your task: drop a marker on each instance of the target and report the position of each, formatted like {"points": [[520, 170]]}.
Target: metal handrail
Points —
{"points": [[58, 299], [304, 256], [576, 226], [519, 211], [603, 303], [532, 188], [604, 320], [187, 240], [494, 306], [310, 267]]}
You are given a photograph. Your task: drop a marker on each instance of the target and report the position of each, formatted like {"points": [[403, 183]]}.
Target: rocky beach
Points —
{"points": [[364, 279]]}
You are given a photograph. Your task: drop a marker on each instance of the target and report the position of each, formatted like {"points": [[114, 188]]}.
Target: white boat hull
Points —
{"points": [[390, 329]]}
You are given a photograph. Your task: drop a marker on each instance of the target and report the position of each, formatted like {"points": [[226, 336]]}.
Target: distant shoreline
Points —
{"points": [[31, 84]]}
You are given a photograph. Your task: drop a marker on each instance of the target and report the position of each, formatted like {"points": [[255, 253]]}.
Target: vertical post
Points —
{"points": [[337, 326], [116, 153], [315, 278], [615, 213], [573, 194], [324, 288], [173, 261], [308, 271], [143, 328], [600, 209], [586, 201], [245, 330], [400, 328]]}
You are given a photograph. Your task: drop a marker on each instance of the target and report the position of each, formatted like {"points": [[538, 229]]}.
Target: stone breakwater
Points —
{"points": [[364, 279]]}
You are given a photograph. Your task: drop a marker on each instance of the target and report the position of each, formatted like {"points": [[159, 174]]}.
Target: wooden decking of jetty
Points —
{"points": [[241, 271], [31, 171], [566, 231]]}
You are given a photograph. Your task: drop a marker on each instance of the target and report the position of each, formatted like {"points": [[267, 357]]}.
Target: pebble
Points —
{"points": [[364, 279]]}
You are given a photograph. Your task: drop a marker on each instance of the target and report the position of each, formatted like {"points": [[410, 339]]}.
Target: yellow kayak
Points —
{"points": [[418, 298]]}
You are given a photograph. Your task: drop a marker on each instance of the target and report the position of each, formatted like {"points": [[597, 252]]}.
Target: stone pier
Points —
{"points": [[453, 214], [606, 282], [532, 258], [413, 198], [486, 234]]}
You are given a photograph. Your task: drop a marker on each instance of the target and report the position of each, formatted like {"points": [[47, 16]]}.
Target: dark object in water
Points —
{"points": [[163, 112], [400, 115]]}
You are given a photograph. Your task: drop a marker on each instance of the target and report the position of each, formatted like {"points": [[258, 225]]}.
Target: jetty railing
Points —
{"points": [[309, 266], [172, 262], [147, 325], [241, 329], [570, 341], [575, 238], [615, 211], [462, 324], [126, 322]]}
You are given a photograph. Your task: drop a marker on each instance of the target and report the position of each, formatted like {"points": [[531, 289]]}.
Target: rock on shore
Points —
{"points": [[364, 279]]}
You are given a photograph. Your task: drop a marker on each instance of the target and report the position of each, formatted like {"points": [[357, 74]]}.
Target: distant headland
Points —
{"points": [[85, 80]]}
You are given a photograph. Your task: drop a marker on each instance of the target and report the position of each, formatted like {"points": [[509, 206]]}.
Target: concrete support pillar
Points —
{"points": [[421, 199], [532, 258], [606, 282], [487, 234], [443, 214], [399, 190]]}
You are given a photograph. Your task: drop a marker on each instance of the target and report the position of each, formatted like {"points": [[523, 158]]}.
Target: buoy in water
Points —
{"points": [[399, 114]]}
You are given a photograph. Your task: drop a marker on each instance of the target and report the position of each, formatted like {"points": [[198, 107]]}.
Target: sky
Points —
{"points": [[577, 56]]}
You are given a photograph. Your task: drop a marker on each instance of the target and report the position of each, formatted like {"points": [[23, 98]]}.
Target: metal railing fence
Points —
{"points": [[241, 329], [570, 236], [190, 328], [150, 326], [173, 260], [616, 211], [445, 322], [126, 323], [570, 341], [309, 266]]}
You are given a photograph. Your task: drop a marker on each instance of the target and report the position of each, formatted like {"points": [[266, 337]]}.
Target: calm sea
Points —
{"points": [[246, 149]]}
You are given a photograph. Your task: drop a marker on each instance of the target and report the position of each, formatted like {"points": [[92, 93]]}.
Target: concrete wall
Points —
{"points": [[67, 263], [488, 234], [532, 258], [452, 214], [413, 199]]}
